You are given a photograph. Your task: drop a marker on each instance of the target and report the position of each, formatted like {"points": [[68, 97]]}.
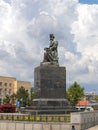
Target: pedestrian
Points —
{"points": [[73, 127]]}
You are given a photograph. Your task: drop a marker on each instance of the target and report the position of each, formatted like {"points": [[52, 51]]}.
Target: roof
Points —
{"points": [[82, 103]]}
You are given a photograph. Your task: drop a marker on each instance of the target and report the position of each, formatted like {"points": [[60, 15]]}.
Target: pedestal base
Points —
{"points": [[50, 102], [50, 106]]}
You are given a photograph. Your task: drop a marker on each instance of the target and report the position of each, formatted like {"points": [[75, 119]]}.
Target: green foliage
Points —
{"points": [[6, 99], [23, 96], [74, 93], [13, 98], [96, 98], [9, 99], [31, 96], [32, 93]]}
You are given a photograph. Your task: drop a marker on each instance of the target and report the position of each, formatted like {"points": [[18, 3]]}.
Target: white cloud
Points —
{"points": [[86, 36], [25, 26], [85, 27]]}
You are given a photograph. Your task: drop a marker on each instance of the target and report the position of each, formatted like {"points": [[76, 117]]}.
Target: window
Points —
{"points": [[0, 92], [21, 87], [9, 91], [10, 84], [0, 83], [5, 91], [5, 84]]}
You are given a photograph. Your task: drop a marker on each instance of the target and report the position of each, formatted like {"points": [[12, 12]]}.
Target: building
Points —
{"points": [[83, 105], [9, 86], [90, 96]]}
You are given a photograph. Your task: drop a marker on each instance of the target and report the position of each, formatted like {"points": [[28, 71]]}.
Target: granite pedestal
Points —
{"points": [[49, 84], [50, 81]]}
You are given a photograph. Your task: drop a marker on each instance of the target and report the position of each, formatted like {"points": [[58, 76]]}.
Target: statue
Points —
{"points": [[51, 53]]}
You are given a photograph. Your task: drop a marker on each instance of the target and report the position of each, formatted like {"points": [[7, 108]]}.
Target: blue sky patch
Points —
{"points": [[88, 1]]}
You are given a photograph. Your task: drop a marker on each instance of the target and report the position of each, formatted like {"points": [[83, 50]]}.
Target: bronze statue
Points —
{"points": [[51, 54]]}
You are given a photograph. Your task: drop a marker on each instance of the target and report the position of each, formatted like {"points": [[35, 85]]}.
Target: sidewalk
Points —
{"points": [[93, 128]]}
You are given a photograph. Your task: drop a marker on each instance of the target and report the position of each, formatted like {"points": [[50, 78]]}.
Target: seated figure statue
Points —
{"points": [[51, 53]]}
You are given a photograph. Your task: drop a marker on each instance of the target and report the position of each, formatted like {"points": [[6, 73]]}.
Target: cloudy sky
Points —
{"points": [[25, 26]]}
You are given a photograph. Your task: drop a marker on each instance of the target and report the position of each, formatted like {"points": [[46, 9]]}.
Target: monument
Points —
{"points": [[50, 84], [50, 78]]}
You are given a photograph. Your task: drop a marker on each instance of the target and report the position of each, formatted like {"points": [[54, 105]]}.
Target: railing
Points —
{"points": [[36, 118]]}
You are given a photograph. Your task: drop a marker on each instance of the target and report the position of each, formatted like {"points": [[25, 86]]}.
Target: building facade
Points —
{"points": [[9, 86]]}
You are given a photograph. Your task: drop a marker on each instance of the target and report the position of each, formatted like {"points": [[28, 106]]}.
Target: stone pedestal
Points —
{"points": [[49, 82], [49, 85]]}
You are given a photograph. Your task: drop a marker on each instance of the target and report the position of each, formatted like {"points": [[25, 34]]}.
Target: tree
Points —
{"points": [[23, 96], [13, 98], [9, 99], [31, 96], [74, 93], [96, 98], [6, 100], [30, 99]]}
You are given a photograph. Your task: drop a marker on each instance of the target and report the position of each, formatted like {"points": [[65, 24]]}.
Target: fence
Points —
{"points": [[37, 118]]}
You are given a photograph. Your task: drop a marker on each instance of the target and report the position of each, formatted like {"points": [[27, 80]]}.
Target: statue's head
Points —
{"points": [[52, 36]]}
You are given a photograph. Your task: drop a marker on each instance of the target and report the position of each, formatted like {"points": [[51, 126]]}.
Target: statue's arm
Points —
{"points": [[54, 45]]}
